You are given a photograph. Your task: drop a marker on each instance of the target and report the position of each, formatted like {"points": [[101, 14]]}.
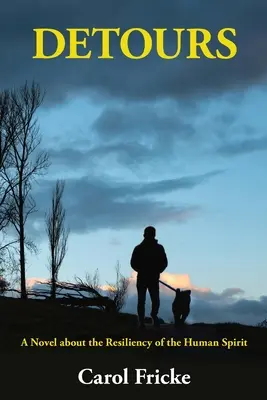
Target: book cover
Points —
{"points": [[132, 197]]}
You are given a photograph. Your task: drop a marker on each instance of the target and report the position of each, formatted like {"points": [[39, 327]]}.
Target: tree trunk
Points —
{"points": [[53, 287], [53, 278], [23, 288]]}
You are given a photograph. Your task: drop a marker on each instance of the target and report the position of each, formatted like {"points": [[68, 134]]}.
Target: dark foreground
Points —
{"points": [[109, 343]]}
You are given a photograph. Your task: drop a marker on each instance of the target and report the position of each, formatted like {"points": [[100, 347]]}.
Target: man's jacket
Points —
{"points": [[149, 259]]}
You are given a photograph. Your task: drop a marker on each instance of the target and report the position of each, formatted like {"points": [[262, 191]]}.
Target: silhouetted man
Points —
{"points": [[149, 260]]}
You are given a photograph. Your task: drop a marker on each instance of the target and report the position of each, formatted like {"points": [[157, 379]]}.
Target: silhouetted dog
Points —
{"points": [[181, 306]]}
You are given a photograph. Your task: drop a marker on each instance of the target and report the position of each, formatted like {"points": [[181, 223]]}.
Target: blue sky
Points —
{"points": [[222, 245], [177, 144]]}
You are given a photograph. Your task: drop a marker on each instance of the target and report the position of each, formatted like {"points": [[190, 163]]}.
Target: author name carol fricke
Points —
{"points": [[140, 377], [79, 41]]}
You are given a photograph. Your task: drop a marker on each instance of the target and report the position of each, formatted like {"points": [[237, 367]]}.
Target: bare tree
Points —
{"points": [[118, 291], [263, 324], [24, 163], [7, 135], [9, 262], [4, 284], [57, 234], [91, 282]]}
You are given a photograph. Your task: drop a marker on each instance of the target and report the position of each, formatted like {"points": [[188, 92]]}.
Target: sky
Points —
{"points": [[177, 144]]}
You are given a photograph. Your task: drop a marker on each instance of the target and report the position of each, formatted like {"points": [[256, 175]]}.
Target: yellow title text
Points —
{"points": [[77, 42]]}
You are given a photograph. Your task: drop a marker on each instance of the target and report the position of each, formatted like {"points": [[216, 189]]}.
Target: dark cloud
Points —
{"points": [[231, 292], [147, 119], [213, 308], [143, 132], [216, 297], [140, 135], [92, 203], [126, 153], [139, 119], [243, 146], [151, 78], [244, 311]]}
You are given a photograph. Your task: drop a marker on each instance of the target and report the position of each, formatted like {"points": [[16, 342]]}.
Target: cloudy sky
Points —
{"points": [[179, 144]]}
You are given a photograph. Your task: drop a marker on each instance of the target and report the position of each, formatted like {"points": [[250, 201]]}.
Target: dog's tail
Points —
{"points": [[168, 286]]}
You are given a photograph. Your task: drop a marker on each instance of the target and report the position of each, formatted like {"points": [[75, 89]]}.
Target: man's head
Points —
{"points": [[149, 232]]}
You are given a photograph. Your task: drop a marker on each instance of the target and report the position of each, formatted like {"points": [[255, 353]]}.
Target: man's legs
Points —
{"points": [[153, 289], [141, 302]]}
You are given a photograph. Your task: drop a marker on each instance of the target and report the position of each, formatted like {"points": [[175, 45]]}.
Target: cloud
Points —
{"points": [[147, 109], [32, 282], [150, 78], [207, 306], [231, 292], [95, 203], [161, 120], [243, 146], [114, 242], [122, 153]]}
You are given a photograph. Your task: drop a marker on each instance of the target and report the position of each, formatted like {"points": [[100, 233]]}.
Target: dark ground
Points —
{"points": [[210, 367]]}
